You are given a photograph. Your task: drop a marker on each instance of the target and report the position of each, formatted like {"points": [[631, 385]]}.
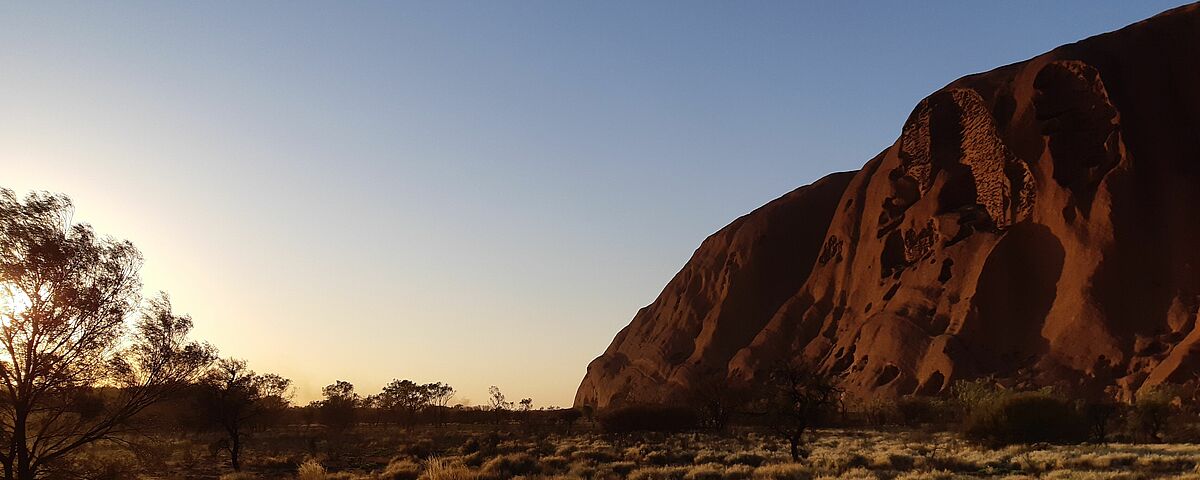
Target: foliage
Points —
{"points": [[1025, 417], [914, 410], [497, 401], [236, 399], [404, 399], [644, 417], [311, 470], [1152, 411], [973, 394], [798, 397], [339, 409], [715, 400], [1099, 415], [65, 296]]}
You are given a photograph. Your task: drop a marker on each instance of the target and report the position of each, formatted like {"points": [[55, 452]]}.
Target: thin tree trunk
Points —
{"points": [[235, 450], [234, 454]]}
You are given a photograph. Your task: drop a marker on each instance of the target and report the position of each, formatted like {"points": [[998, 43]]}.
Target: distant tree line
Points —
{"points": [[408, 403]]}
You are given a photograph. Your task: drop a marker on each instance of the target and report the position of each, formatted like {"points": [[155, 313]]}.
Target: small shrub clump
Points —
{"points": [[509, 466], [654, 418], [401, 469], [1025, 417]]}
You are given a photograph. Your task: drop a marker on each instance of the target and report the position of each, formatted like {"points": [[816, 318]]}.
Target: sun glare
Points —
{"points": [[12, 302]]}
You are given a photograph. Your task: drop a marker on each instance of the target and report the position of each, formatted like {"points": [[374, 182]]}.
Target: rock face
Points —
{"points": [[1039, 222]]}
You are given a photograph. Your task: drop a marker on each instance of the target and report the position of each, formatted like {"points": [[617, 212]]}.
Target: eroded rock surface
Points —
{"points": [[1038, 222]]}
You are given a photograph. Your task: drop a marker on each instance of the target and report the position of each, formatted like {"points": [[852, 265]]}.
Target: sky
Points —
{"points": [[480, 193]]}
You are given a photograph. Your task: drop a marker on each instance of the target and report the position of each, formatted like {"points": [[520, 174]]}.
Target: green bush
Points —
{"points": [[1025, 417], [1153, 410], [652, 418], [918, 410]]}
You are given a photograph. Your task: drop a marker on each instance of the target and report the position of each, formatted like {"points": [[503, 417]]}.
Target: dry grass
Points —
{"points": [[449, 454]]}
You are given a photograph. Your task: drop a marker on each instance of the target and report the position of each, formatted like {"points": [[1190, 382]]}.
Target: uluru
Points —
{"points": [[1038, 223]]}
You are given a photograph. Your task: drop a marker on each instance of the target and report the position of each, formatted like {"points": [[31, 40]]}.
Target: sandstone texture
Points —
{"points": [[1039, 223]]}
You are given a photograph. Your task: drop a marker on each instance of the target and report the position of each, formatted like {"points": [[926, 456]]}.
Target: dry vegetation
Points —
{"points": [[473, 452]]}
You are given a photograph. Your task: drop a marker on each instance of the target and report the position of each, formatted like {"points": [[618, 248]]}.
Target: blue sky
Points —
{"points": [[473, 192]]}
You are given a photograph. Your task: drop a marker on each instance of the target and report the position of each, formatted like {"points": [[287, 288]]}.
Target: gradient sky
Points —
{"points": [[478, 193]]}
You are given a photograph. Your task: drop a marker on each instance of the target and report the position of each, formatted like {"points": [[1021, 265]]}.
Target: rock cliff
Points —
{"points": [[1039, 222]]}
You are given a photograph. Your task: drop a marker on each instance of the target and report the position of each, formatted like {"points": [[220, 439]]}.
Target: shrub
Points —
{"points": [[594, 455], [509, 466], [439, 469], [657, 457], [311, 470], [485, 444], [622, 468], [654, 418], [1025, 417], [707, 456], [553, 463], [783, 471], [659, 473], [586, 470], [969, 395], [879, 412], [917, 410], [1099, 415], [898, 461], [401, 470], [421, 449], [745, 458], [1152, 410], [738, 472], [708, 471], [934, 475]]}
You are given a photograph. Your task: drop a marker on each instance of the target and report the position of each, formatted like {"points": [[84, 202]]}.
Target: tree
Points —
{"points": [[798, 396], [526, 405], [235, 399], [439, 396], [715, 400], [1153, 410], [339, 408], [497, 402], [404, 399], [1098, 415], [66, 296], [568, 417]]}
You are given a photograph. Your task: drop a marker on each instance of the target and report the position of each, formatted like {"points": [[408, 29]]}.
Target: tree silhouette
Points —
{"points": [[235, 399], [439, 396], [498, 404], [798, 396], [404, 399], [339, 408], [65, 296], [716, 400]]}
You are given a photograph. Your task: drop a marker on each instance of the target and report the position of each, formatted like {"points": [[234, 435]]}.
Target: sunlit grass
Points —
{"points": [[392, 454]]}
